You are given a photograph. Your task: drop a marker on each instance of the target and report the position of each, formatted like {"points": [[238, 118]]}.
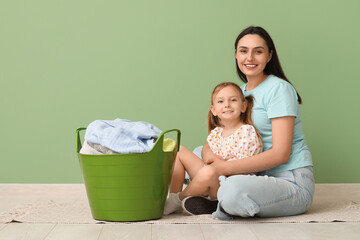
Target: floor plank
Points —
{"points": [[128, 232], [277, 232], [19, 231], [176, 231], [329, 231], [227, 232], [305, 231], [75, 232]]}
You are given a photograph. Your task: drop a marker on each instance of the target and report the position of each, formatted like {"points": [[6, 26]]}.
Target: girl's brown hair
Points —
{"points": [[214, 121]]}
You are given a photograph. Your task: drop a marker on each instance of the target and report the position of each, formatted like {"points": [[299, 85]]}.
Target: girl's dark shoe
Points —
{"points": [[197, 205]]}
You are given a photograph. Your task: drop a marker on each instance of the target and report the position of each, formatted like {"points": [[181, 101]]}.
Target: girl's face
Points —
{"points": [[228, 104], [252, 55]]}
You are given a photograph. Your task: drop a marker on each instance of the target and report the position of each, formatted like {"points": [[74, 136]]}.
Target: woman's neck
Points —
{"points": [[254, 81]]}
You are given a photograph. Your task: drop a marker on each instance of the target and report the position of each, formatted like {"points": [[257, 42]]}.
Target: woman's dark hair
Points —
{"points": [[273, 66]]}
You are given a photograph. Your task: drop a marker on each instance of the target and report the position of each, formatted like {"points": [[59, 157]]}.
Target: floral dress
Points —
{"points": [[244, 142]]}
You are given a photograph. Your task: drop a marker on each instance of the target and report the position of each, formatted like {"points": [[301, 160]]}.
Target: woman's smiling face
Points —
{"points": [[252, 55]]}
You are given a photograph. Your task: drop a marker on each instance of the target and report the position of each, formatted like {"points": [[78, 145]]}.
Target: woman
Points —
{"points": [[285, 183]]}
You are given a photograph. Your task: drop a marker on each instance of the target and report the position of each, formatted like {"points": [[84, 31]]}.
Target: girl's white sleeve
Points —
{"points": [[249, 143], [212, 141]]}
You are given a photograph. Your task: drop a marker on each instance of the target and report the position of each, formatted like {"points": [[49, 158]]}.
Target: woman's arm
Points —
{"points": [[282, 136]]}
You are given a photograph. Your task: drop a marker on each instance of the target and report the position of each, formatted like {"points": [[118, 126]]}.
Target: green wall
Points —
{"points": [[66, 63]]}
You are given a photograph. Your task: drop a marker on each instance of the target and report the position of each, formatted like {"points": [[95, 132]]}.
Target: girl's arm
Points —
{"points": [[282, 136], [208, 155]]}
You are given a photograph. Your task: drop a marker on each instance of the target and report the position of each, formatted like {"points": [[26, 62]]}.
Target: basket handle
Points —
{"points": [[78, 141], [161, 138]]}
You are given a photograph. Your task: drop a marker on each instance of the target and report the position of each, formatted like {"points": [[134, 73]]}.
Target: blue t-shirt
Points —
{"points": [[274, 98]]}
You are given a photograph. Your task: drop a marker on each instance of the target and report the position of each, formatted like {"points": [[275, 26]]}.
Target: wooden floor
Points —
{"points": [[12, 195]]}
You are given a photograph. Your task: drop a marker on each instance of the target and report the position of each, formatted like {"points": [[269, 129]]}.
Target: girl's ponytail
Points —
{"points": [[246, 116], [213, 121]]}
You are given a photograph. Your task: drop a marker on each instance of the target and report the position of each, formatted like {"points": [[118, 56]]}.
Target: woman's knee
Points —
{"points": [[233, 188], [238, 184], [234, 196]]}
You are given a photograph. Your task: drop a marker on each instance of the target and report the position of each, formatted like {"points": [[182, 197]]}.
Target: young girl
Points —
{"points": [[232, 137]]}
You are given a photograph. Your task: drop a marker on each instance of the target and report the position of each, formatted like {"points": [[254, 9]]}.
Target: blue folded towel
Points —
{"points": [[123, 136]]}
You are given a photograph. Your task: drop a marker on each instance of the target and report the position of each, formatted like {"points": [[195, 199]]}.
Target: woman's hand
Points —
{"points": [[219, 164], [212, 159]]}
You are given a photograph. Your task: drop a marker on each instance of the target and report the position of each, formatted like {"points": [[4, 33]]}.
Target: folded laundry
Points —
{"points": [[101, 149], [95, 149], [122, 136]]}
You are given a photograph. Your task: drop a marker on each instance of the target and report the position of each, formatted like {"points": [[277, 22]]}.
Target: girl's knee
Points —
{"points": [[206, 176], [181, 154], [207, 173], [181, 151]]}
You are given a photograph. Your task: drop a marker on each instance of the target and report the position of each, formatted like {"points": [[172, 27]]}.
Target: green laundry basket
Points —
{"points": [[128, 187]]}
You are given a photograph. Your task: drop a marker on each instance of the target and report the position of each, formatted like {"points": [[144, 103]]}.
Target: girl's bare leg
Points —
{"points": [[205, 182], [185, 159]]}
